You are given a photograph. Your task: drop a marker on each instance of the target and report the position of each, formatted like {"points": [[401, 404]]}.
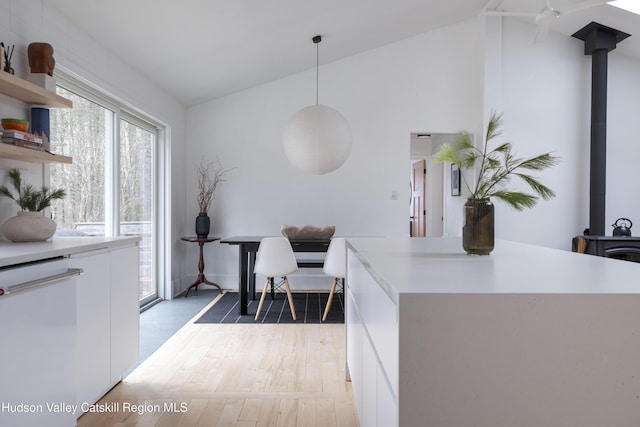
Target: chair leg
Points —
{"points": [[290, 297], [264, 292], [328, 307]]}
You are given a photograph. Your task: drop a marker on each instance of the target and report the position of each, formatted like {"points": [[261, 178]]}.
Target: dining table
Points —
{"points": [[248, 248]]}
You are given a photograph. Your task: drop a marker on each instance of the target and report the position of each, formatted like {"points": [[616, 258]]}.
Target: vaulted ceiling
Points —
{"points": [[198, 50]]}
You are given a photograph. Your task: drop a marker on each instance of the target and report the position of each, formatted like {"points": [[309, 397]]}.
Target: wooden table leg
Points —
{"points": [[201, 278]]}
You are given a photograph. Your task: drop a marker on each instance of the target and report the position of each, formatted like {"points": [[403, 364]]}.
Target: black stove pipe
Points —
{"points": [[598, 177], [599, 40]]}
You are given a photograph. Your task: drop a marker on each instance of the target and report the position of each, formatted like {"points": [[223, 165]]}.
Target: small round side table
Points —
{"points": [[201, 279]]}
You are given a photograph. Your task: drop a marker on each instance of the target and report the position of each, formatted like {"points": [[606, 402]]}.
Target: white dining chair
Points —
{"points": [[275, 258], [335, 265]]}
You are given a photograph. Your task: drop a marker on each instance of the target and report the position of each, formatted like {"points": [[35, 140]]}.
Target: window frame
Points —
{"points": [[161, 172]]}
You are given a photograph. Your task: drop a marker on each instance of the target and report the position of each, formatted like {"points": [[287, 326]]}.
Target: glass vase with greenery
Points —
{"points": [[489, 170], [496, 166]]}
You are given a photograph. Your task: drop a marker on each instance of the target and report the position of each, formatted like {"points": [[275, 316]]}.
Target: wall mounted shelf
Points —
{"points": [[35, 95], [30, 93], [8, 151]]}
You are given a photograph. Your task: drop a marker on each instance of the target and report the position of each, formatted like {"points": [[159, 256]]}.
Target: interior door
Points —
{"points": [[418, 196]]}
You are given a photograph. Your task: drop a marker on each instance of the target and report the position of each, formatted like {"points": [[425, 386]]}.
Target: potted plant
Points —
{"points": [[29, 225], [209, 176], [494, 168]]}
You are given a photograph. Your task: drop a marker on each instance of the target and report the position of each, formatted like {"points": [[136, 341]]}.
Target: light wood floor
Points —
{"points": [[236, 375]]}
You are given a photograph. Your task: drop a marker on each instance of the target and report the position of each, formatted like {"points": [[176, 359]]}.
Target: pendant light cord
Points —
{"points": [[317, 40]]}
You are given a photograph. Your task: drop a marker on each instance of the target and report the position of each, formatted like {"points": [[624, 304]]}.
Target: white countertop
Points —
{"points": [[17, 253], [440, 265]]}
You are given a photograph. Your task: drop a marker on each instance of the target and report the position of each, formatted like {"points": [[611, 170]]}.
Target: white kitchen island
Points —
{"points": [[527, 336]]}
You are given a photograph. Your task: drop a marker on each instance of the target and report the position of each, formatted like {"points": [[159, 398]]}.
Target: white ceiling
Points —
{"points": [[198, 50]]}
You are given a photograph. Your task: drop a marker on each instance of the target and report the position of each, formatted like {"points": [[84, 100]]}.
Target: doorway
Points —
{"points": [[418, 218], [428, 204]]}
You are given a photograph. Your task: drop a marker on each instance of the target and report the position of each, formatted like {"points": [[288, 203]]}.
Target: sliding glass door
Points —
{"points": [[81, 132], [111, 183], [137, 201]]}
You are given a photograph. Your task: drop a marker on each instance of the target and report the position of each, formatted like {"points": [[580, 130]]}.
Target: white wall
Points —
{"points": [[14, 30], [425, 82], [623, 142], [546, 98], [26, 21], [546, 101]]}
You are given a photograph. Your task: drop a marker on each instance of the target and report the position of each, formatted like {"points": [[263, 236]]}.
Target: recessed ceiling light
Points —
{"points": [[632, 6]]}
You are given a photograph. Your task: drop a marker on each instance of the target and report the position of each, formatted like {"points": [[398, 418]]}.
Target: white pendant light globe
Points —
{"points": [[317, 139]]}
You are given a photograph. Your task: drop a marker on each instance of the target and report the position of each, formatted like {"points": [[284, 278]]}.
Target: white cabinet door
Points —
{"points": [[93, 298], [386, 402], [37, 348], [369, 412], [354, 349], [372, 347], [125, 311]]}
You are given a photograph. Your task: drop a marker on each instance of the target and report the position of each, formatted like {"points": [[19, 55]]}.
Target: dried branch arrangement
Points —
{"points": [[209, 175]]}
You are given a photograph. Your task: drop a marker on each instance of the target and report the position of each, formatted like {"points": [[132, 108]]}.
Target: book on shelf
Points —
{"points": [[21, 136], [22, 143]]}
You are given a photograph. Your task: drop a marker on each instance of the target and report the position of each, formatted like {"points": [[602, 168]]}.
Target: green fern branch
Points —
{"points": [[497, 166], [26, 196]]}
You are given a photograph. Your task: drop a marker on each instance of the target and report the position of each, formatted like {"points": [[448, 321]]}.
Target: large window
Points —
{"points": [[137, 201], [111, 185], [81, 132]]}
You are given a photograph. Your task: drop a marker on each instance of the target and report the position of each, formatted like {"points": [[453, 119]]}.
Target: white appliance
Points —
{"points": [[38, 344]]}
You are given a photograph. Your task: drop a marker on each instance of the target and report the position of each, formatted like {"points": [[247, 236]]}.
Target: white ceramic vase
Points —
{"points": [[28, 227]]}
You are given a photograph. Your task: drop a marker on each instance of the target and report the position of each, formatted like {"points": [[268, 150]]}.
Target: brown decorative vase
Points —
{"points": [[478, 228]]}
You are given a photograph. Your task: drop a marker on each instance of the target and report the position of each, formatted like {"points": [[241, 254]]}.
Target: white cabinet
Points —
{"points": [[439, 338], [354, 350], [72, 339], [108, 319], [387, 409], [37, 343], [94, 329], [372, 347], [125, 309]]}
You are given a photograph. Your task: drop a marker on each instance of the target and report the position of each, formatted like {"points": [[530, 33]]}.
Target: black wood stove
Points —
{"points": [[599, 40], [624, 248]]}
